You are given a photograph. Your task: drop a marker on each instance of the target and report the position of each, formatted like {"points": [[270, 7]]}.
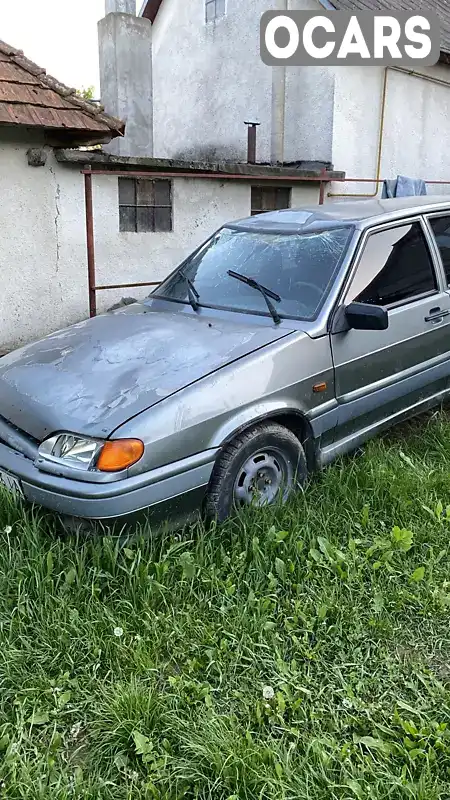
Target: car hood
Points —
{"points": [[94, 376]]}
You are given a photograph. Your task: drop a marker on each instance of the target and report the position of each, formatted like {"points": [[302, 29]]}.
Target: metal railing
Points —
{"points": [[323, 180]]}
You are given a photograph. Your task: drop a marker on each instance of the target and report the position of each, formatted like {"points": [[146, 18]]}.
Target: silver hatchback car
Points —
{"points": [[284, 341]]}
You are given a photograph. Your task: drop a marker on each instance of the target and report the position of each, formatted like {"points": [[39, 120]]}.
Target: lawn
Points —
{"points": [[300, 652]]}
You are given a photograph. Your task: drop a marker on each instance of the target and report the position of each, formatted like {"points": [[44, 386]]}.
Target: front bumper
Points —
{"points": [[174, 490]]}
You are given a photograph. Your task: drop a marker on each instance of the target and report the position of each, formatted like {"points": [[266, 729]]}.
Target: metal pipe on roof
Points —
{"points": [[251, 143]]}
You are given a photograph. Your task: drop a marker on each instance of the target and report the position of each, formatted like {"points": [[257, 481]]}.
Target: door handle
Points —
{"points": [[436, 314]]}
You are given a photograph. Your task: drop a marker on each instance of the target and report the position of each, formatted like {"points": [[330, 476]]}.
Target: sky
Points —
{"points": [[59, 35]]}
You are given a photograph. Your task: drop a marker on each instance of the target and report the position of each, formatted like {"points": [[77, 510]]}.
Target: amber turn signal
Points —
{"points": [[119, 454]]}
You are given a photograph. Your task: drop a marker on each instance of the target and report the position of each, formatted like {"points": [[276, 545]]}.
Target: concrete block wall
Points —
{"points": [[126, 83], [208, 79], [43, 262]]}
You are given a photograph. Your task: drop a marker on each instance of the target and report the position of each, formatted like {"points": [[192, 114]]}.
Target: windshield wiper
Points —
{"points": [[266, 293], [193, 295]]}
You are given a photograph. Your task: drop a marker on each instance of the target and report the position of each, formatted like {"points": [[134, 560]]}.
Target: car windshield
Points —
{"points": [[298, 268]]}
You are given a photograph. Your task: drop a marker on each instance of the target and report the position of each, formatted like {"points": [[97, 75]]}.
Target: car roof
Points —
{"points": [[360, 213]]}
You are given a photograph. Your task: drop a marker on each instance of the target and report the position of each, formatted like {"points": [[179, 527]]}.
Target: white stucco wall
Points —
{"points": [[304, 194], [417, 115], [43, 240], [199, 208], [38, 275], [208, 79], [43, 263], [309, 105]]}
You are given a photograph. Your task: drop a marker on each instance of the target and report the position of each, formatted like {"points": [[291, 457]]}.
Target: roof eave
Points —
{"points": [[65, 137], [93, 122], [238, 170], [75, 138]]}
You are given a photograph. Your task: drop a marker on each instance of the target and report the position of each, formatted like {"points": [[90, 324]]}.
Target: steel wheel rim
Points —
{"points": [[263, 478]]}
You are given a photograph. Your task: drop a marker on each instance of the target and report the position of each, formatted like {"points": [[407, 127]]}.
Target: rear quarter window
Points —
{"points": [[441, 230]]}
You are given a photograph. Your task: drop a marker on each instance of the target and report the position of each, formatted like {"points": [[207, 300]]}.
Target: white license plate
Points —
{"points": [[11, 483]]}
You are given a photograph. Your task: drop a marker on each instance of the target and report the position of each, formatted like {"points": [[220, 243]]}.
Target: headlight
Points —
{"points": [[83, 453], [72, 450]]}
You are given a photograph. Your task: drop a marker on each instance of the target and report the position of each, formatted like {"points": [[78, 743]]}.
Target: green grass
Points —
{"points": [[299, 652]]}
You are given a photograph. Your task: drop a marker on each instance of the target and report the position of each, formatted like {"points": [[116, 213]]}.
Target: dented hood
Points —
{"points": [[94, 376]]}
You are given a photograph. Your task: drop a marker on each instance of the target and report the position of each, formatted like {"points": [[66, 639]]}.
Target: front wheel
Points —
{"points": [[260, 467]]}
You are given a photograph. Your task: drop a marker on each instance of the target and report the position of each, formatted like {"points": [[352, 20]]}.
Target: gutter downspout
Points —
{"points": [[278, 104]]}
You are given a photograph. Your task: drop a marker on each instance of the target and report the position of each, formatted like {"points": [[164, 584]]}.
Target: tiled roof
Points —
{"points": [[442, 9], [31, 98]]}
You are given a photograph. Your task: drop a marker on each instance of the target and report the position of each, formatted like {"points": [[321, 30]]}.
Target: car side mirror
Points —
{"points": [[365, 317]]}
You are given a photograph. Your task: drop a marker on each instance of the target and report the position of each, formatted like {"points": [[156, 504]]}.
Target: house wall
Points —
{"points": [[309, 114], [43, 239], [304, 194], [208, 79], [125, 50], [309, 105], [38, 276], [43, 242], [199, 208], [417, 113]]}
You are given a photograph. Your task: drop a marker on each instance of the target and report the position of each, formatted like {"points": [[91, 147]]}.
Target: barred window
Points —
{"points": [[214, 9], [270, 198], [145, 205]]}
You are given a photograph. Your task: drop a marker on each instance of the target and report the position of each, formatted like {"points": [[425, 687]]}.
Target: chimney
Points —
{"points": [[126, 86]]}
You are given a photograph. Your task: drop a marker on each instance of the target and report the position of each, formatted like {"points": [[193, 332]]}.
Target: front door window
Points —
{"points": [[395, 268]]}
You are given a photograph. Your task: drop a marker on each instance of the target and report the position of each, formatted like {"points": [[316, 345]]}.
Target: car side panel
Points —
{"points": [[379, 372], [279, 378], [382, 375]]}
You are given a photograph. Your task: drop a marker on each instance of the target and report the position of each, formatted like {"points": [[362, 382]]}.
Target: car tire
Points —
{"points": [[261, 466]]}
